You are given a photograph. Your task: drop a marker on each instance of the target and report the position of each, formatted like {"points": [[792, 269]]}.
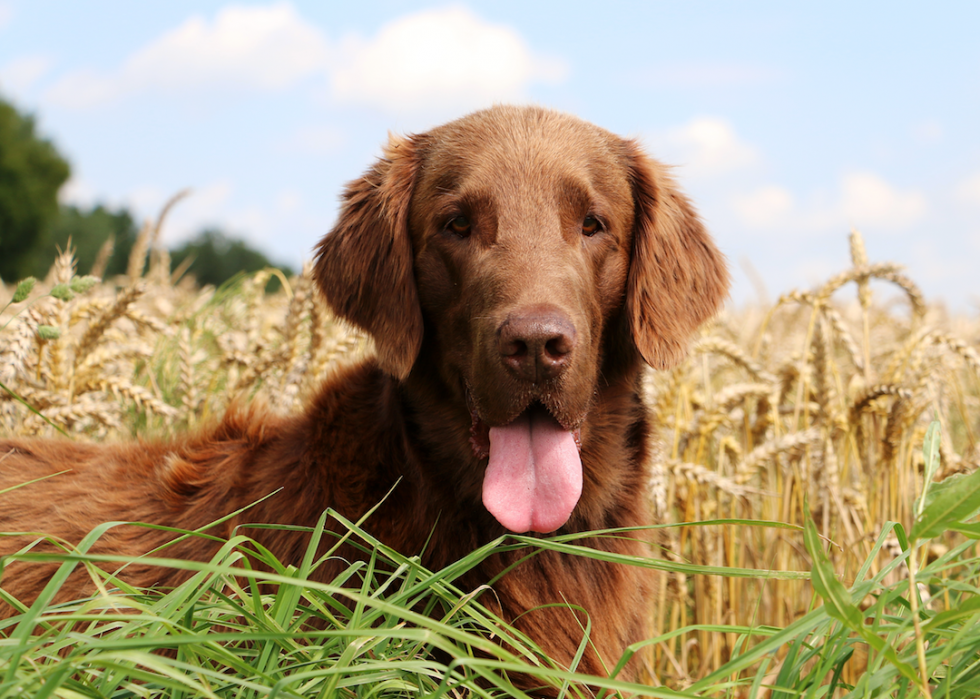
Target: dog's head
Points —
{"points": [[519, 247]]}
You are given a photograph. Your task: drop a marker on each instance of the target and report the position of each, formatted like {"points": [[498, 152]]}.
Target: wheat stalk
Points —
{"points": [[869, 394], [791, 444], [705, 476], [734, 394], [148, 323], [296, 361], [19, 336], [97, 327], [63, 269], [137, 255], [725, 348], [822, 383], [859, 258], [118, 350], [959, 348], [79, 413], [140, 396], [188, 384], [894, 430], [103, 257], [840, 332], [902, 357], [877, 270], [911, 289]]}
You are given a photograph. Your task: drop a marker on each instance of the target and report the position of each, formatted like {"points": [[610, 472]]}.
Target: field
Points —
{"points": [[796, 446]]}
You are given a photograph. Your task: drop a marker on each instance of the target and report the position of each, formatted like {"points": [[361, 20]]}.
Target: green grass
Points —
{"points": [[384, 628], [388, 627]]}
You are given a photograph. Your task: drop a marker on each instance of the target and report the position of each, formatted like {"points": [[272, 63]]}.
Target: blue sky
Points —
{"points": [[789, 123]]}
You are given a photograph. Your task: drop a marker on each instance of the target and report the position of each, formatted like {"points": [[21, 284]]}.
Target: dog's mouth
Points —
{"points": [[534, 472]]}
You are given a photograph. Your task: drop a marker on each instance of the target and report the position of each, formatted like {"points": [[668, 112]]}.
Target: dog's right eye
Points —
{"points": [[590, 226], [459, 226]]}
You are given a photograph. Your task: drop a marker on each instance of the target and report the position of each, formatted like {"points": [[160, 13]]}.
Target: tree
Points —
{"points": [[88, 231], [217, 258], [31, 173]]}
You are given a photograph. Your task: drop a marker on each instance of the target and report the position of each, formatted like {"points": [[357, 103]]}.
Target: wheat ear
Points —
{"points": [[97, 328], [103, 257]]}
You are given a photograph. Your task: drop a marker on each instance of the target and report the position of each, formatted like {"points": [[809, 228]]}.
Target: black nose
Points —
{"points": [[536, 344]]}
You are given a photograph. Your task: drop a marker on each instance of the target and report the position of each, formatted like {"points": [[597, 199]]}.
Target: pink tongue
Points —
{"points": [[534, 478]]}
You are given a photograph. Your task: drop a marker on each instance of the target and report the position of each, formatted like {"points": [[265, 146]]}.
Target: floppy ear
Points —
{"points": [[364, 265], [677, 277]]}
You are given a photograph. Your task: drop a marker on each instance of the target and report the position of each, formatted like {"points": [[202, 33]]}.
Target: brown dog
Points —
{"points": [[515, 268]]}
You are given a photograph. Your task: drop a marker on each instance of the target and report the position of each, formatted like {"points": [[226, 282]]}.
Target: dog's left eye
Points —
{"points": [[591, 226], [460, 226]]}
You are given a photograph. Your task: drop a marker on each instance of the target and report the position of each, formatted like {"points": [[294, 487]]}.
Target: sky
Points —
{"points": [[787, 123]]}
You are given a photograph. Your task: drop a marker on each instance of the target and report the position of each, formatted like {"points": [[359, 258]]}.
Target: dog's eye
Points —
{"points": [[591, 226], [460, 226]]}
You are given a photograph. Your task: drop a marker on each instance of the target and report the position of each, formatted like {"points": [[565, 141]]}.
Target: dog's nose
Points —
{"points": [[536, 344]]}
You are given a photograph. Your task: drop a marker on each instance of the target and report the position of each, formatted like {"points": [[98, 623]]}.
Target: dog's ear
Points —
{"points": [[364, 265], [677, 277]]}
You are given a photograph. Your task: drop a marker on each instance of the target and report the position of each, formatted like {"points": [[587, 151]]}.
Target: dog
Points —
{"points": [[515, 268]]}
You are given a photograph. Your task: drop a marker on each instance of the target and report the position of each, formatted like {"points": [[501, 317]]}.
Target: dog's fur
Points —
{"points": [[516, 259]]}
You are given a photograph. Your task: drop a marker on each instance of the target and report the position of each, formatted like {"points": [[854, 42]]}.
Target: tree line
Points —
{"points": [[34, 226]]}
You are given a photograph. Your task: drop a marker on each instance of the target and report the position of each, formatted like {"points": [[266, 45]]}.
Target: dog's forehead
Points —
{"points": [[518, 147]]}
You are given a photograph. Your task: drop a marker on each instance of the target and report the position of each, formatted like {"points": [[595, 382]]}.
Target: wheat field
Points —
{"points": [[816, 407]]}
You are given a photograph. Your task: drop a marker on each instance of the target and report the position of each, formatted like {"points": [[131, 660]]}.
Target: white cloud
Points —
{"points": [[427, 60], [868, 200], [968, 191], [77, 192], [767, 207], [439, 58], [864, 200], [707, 147], [264, 47], [148, 199], [83, 88], [245, 48], [20, 74]]}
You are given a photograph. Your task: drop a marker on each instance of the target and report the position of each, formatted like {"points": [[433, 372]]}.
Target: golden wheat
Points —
{"points": [[103, 256], [817, 402]]}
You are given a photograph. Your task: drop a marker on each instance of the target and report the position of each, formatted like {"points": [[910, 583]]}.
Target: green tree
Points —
{"points": [[88, 231], [216, 258], [31, 173]]}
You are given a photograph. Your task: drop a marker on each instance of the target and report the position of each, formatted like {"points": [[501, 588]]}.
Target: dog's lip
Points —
{"points": [[480, 428], [531, 404]]}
